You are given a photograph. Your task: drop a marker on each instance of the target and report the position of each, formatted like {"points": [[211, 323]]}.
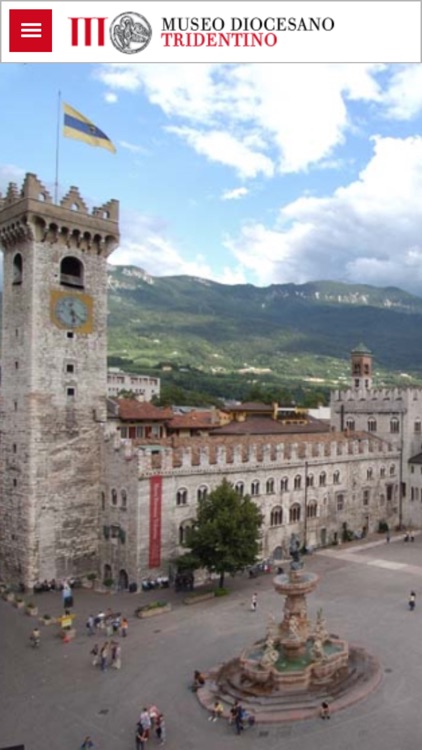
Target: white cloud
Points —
{"points": [[132, 147], [284, 116], [145, 244], [403, 96], [235, 194], [221, 147], [369, 231], [110, 97]]}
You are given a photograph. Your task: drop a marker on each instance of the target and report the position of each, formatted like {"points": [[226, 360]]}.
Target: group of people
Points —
{"points": [[112, 623], [109, 655], [150, 720], [409, 537]]}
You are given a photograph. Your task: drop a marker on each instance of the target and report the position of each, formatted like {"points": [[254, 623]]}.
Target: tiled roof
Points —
{"points": [[361, 349], [193, 419], [131, 410], [266, 426], [253, 406]]}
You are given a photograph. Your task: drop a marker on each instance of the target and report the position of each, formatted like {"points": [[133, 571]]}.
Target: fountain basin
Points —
{"points": [[298, 582], [301, 673]]}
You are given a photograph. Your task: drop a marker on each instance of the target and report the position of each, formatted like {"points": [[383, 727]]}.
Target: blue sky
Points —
{"points": [[239, 173]]}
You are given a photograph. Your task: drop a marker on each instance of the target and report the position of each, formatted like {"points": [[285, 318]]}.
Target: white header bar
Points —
{"points": [[211, 31]]}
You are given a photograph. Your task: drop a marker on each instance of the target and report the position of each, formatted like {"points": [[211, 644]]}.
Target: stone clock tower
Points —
{"points": [[53, 391]]}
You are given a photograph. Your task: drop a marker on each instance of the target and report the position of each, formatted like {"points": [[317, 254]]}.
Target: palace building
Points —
{"points": [[89, 490]]}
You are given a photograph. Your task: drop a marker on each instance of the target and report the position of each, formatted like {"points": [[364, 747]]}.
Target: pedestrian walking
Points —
{"points": [[388, 537], [124, 627], [145, 721], [412, 601], [67, 596], [87, 744], [104, 656], [324, 711], [90, 625], [108, 626], [95, 653], [238, 718], [99, 620], [116, 656], [233, 712], [116, 624], [254, 602], [153, 715], [141, 737], [160, 729]]}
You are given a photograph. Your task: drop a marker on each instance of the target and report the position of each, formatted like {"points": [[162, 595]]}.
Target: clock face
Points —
{"points": [[71, 312]]}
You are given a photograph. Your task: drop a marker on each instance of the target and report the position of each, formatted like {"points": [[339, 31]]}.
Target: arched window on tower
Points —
{"points": [[17, 269], [297, 482], [71, 272], [350, 424], [284, 484], [240, 488], [394, 425]]}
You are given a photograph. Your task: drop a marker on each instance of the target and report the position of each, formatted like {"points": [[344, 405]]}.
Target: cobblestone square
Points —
{"points": [[53, 697]]}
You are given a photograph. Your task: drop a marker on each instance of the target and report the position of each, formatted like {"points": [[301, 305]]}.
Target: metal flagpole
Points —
{"points": [[56, 182]]}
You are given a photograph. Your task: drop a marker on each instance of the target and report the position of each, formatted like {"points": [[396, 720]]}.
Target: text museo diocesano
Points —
{"points": [[238, 32]]}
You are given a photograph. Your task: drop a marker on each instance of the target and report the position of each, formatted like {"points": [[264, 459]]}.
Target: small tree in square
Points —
{"points": [[226, 534]]}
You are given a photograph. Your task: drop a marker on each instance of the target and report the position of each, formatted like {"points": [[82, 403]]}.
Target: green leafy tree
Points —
{"points": [[226, 534]]}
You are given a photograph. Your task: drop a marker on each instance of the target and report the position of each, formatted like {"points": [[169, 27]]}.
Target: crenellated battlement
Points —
{"points": [[213, 456], [30, 213], [375, 399]]}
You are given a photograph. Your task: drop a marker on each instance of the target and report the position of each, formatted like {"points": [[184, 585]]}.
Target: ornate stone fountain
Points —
{"points": [[298, 664]]}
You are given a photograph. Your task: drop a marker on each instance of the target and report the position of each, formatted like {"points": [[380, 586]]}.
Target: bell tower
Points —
{"points": [[54, 380], [361, 368]]}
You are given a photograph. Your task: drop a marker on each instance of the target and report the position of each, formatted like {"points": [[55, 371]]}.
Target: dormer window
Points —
{"points": [[72, 272]]}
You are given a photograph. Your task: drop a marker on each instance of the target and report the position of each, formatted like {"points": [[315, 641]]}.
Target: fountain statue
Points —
{"points": [[296, 658]]}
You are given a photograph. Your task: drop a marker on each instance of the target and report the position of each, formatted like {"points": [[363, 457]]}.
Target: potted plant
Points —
{"points": [[152, 609], [9, 596], [47, 620], [108, 583], [31, 609], [19, 602]]}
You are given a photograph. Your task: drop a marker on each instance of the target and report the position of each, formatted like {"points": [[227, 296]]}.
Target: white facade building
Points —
{"points": [[143, 387], [317, 486]]}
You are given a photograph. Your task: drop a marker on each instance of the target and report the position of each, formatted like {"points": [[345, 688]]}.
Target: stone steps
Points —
{"points": [[363, 676]]}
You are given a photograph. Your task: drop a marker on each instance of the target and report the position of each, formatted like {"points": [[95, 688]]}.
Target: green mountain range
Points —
{"points": [[284, 332]]}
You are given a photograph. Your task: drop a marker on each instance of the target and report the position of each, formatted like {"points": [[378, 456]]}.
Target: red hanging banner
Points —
{"points": [[155, 497]]}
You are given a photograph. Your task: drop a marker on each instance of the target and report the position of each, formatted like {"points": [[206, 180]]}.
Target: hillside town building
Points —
{"points": [[110, 488], [144, 387]]}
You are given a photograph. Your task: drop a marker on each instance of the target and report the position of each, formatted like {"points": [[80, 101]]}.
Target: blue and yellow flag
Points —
{"points": [[79, 127]]}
